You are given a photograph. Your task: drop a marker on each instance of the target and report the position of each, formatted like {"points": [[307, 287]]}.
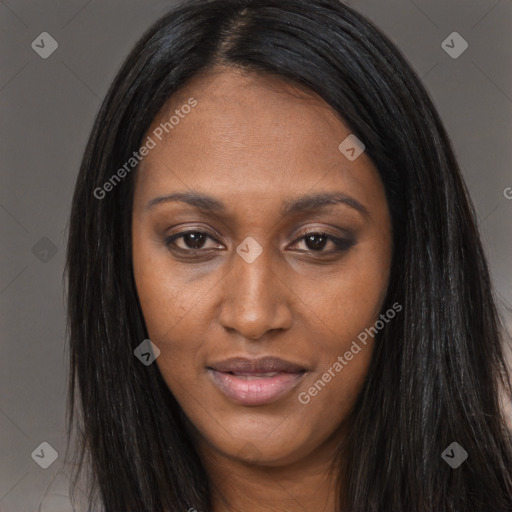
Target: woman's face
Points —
{"points": [[252, 289]]}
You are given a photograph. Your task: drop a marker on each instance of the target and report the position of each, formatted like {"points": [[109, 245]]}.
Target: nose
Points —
{"points": [[255, 298]]}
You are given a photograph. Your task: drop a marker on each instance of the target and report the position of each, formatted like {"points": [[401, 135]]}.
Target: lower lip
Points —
{"points": [[260, 391]]}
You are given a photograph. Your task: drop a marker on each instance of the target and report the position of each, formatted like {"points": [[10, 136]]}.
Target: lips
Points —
{"points": [[263, 365], [253, 382]]}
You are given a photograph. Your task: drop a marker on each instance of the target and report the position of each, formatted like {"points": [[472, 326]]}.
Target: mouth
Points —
{"points": [[253, 382]]}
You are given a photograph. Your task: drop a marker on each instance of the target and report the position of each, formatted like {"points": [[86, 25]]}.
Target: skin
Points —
{"points": [[254, 142]]}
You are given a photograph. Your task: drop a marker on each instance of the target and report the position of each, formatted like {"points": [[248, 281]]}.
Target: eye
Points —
{"points": [[191, 241], [316, 241]]}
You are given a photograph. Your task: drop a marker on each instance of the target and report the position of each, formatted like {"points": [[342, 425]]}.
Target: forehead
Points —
{"points": [[248, 132]]}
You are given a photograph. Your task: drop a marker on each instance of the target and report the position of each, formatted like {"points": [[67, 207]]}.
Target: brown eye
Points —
{"points": [[192, 240], [316, 242]]}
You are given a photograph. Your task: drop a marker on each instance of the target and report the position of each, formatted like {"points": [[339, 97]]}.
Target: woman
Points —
{"points": [[278, 298]]}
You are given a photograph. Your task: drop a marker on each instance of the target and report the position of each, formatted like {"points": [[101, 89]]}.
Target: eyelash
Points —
{"points": [[341, 244]]}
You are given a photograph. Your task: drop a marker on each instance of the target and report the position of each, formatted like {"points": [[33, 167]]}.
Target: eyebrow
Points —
{"points": [[306, 203]]}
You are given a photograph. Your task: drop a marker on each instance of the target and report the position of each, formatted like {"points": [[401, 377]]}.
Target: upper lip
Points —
{"points": [[260, 365]]}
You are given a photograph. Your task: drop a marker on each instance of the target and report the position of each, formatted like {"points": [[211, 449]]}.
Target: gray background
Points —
{"points": [[47, 109]]}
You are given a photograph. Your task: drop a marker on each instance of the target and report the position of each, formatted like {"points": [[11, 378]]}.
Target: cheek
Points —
{"points": [[172, 316], [174, 306], [350, 299], [165, 297], [345, 308]]}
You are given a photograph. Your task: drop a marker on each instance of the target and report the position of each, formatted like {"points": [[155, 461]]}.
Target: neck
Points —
{"points": [[304, 485]]}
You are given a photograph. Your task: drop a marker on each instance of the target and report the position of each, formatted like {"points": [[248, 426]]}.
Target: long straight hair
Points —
{"points": [[436, 371]]}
